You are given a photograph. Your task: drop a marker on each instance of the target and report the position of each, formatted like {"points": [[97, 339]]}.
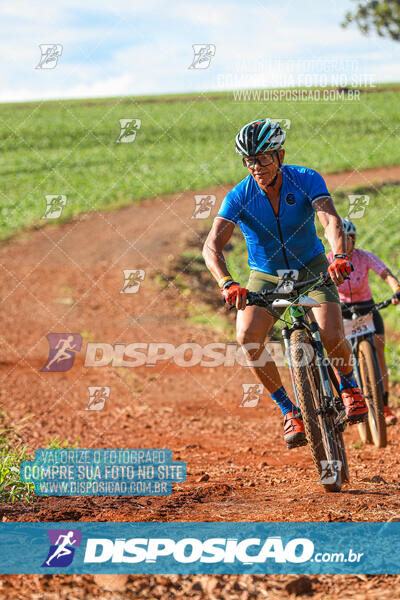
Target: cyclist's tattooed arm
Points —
{"points": [[217, 239], [332, 224]]}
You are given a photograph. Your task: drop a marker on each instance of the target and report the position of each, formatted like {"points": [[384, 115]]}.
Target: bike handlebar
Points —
{"points": [[383, 304], [377, 306], [261, 298]]}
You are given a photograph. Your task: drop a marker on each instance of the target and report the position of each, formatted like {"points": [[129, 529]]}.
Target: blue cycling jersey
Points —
{"points": [[284, 241]]}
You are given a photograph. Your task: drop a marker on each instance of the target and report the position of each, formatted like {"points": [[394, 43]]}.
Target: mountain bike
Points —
{"points": [[360, 332], [314, 383]]}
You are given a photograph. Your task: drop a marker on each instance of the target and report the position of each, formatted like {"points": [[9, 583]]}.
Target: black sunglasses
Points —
{"points": [[264, 160]]}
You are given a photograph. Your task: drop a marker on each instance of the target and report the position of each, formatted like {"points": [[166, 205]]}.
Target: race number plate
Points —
{"points": [[360, 326]]}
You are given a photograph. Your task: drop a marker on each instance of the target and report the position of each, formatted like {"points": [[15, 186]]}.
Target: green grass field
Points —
{"points": [[70, 147]]}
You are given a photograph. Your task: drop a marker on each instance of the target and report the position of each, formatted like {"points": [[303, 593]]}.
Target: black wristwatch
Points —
{"points": [[341, 256]]}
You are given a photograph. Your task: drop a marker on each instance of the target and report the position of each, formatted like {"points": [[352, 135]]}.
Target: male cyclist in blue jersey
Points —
{"points": [[275, 207]]}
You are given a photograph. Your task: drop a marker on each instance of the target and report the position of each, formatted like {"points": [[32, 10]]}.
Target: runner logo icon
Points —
{"points": [[329, 470], [357, 205], [62, 351], [251, 394], [132, 280], [98, 396], [49, 55], [54, 206], [204, 204], [203, 54], [61, 553], [128, 130], [283, 123]]}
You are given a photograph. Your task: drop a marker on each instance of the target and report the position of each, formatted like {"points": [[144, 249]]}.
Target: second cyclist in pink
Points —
{"points": [[356, 290]]}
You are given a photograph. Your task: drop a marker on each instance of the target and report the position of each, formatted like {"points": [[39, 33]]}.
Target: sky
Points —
{"points": [[131, 47]]}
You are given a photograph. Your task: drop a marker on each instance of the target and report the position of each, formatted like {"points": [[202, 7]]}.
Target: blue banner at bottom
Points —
{"points": [[189, 548]]}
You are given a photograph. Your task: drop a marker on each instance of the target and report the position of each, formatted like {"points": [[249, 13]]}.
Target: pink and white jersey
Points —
{"points": [[356, 289]]}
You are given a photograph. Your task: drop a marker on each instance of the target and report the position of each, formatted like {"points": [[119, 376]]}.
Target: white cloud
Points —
{"points": [[123, 47]]}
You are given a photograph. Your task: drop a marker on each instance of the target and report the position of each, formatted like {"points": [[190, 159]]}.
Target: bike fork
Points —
{"points": [[326, 388], [286, 341], [324, 371], [356, 366]]}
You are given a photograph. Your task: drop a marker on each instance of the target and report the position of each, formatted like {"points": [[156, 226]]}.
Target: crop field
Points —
{"points": [[71, 147]]}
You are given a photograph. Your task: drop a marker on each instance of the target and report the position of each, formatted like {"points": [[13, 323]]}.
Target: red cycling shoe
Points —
{"points": [[293, 430], [390, 417], [355, 405]]}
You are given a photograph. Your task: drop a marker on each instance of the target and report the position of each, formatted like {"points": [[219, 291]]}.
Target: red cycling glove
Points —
{"points": [[234, 290], [341, 265]]}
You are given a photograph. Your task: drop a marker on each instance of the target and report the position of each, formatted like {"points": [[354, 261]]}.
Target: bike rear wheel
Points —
{"points": [[375, 428], [321, 433]]}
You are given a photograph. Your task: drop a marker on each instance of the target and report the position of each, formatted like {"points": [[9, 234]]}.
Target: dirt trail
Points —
{"points": [[68, 279]]}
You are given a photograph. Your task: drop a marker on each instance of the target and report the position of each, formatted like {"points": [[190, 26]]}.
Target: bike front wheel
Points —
{"points": [[326, 444]]}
